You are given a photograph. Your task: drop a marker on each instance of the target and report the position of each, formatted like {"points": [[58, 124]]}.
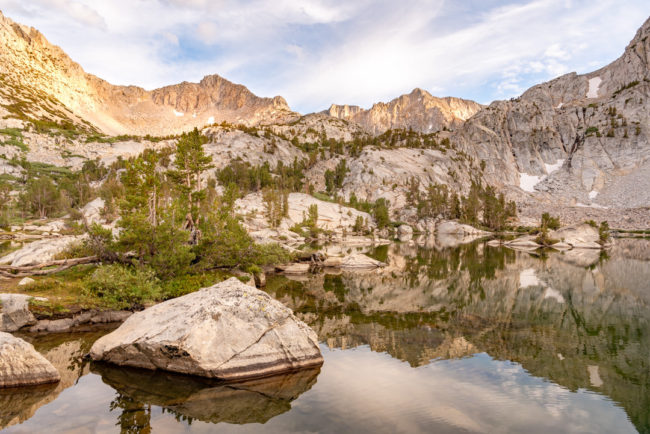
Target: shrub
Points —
{"points": [[550, 222], [123, 287], [603, 232]]}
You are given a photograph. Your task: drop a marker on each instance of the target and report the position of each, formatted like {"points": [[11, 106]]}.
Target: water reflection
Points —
{"points": [[469, 338], [578, 318], [192, 398]]}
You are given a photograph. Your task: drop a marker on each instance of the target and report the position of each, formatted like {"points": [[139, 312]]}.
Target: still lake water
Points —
{"points": [[457, 339]]}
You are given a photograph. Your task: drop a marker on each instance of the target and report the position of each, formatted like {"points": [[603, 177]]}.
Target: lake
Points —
{"points": [[467, 338]]}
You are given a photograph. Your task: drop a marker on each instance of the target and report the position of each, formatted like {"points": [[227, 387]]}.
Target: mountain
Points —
{"points": [[577, 146], [38, 80], [582, 138], [418, 110]]}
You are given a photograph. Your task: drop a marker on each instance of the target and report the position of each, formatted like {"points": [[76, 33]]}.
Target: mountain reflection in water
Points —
{"points": [[468, 338]]}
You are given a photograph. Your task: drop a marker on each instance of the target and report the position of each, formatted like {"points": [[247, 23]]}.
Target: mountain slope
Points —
{"points": [[584, 137], [36, 75], [418, 110]]}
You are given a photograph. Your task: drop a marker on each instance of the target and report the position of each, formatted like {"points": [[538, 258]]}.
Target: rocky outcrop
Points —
{"points": [[451, 227], [92, 211], [228, 331], [418, 110], [22, 365], [578, 236], [331, 216], [38, 252], [582, 139], [14, 311], [359, 261]]}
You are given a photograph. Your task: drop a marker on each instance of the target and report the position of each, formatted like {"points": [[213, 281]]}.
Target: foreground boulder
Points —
{"points": [[22, 365], [228, 331]]}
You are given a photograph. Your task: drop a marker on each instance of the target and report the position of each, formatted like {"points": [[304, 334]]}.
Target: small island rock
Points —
{"points": [[228, 331]]}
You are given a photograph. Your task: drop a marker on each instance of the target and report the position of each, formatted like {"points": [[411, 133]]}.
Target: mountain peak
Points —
{"points": [[30, 62]]}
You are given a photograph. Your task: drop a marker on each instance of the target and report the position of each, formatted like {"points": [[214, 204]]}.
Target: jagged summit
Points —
{"points": [[418, 110], [37, 74]]}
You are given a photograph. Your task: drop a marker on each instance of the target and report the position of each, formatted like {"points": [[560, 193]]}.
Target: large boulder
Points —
{"points": [[455, 228], [579, 236], [14, 312], [22, 365], [92, 211], [359, 261], [227, 331]]}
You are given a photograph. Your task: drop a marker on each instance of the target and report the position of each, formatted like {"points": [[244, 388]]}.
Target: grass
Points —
{"points": [[15, 138], [80, 288]]}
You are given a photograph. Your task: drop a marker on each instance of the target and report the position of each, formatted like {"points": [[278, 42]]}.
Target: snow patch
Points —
{"points": [[193, 115], [210, 120], [593, 194], [550, 168], [594, 84], [528, 182], [178, 114], [559, 105]]}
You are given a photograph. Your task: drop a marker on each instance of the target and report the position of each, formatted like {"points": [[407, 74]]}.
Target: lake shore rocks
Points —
{"points": [[578, 236], [15, 313], [22, 365], [228, 331]]}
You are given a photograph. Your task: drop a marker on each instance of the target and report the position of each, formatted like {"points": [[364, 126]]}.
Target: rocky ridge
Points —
{"points": [[418, 110], [43, 82]]}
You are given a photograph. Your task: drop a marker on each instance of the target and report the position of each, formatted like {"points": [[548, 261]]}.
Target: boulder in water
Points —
{"points": [[228, 331], [22, 365]]}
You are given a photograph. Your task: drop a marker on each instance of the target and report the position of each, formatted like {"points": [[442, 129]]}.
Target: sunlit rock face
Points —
{"points": [[34, 68], [418, 110]]}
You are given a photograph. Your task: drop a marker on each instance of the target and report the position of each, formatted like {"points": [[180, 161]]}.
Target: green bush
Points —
{"points": [[123, 287]]}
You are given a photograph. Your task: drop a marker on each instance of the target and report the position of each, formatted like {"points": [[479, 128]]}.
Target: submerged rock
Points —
{"points": [[228, 331], [22, 365]]}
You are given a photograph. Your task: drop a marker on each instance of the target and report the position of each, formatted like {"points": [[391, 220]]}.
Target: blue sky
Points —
{"points": [[318, 52]]}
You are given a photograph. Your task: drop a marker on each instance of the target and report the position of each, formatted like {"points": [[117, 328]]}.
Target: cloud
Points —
{"points": [[82, 13], [318, 52]]}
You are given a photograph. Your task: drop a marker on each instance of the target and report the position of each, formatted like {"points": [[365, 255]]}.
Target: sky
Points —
{"points": [[318, 52]]}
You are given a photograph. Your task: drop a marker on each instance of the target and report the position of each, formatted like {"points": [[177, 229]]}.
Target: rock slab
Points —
{"points": [[22, 365], [228, 331]]}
